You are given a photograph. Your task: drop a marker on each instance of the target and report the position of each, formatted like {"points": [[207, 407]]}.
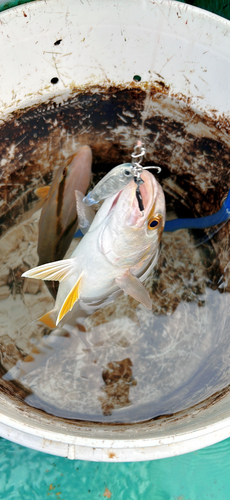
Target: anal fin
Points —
{"points": [[131, 285]]}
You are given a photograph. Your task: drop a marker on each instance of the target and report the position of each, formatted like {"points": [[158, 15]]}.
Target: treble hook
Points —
{"points": [[136, 162], [137, 167]]}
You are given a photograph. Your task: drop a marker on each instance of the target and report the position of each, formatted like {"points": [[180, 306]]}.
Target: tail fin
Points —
{"points": [[48, 319]]}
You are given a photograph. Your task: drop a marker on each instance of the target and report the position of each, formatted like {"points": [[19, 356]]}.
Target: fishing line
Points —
{"points": [[206, 238], [147, 100], [209, 236]]}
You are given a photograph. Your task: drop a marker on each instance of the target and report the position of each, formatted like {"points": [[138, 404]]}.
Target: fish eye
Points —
{"points": [[127, 173], [154, 222]]}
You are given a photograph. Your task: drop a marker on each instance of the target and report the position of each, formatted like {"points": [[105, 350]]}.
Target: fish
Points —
{"points": [[116, 254], [110, 184], [59, 219]]}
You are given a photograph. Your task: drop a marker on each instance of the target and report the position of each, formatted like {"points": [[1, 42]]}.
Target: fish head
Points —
{"points": [[132, 235], [153, 201]]}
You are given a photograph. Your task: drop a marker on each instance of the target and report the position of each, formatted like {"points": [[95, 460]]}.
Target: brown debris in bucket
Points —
{"points": [[118, 378]]}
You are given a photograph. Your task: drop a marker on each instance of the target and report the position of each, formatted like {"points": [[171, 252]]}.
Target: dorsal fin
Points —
{"points": [[70, 300]]}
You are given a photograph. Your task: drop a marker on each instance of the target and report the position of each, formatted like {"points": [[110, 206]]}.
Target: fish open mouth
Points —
{"points": [[142, 199]]}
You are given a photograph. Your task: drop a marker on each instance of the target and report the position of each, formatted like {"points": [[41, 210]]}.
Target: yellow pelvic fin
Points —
{"points": [[47, 320], [54, 271], [42, 192], [70, 300]]}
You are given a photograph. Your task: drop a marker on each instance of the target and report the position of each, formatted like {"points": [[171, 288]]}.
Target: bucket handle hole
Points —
{"points": [[54, 80]]}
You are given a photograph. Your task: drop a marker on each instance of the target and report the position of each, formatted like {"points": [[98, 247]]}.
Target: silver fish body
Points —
{"points": [[117, 253]]}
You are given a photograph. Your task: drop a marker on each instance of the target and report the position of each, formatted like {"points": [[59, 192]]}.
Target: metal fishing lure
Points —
{"points": [[119, 177]]}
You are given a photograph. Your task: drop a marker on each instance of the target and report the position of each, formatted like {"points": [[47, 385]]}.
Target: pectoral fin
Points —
{"points": [[70, 300], [42, 192], [85, 214], [54, 271], [132, 286]]}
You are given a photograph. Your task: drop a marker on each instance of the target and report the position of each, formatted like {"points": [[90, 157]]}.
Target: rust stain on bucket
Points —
{"points": [[192, 148]]}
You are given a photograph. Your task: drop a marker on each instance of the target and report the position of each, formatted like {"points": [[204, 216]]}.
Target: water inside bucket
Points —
{"points": [[126, 364]]}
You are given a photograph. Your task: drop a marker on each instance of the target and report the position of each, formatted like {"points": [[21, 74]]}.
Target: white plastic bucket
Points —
{"points": [[48, 50]]}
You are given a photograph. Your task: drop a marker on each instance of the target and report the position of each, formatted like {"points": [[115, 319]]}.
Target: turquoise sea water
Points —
{"points": [[30, 475]]}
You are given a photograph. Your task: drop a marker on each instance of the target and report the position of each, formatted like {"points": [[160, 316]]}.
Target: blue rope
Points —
{"points": [[194, 223], [201, 222]]}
